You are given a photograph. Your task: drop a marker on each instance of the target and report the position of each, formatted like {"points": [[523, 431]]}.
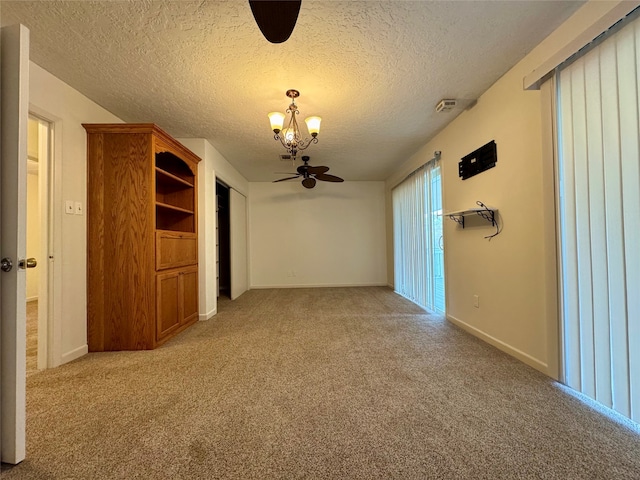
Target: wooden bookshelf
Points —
{"points": [[142, 237]]}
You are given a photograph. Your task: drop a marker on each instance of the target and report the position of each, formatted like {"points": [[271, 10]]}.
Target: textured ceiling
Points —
{"points": [[373, 70]]}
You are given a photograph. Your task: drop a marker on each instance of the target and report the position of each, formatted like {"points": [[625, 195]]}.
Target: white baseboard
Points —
{"points": [[73, 354], [208, 315], [321, 285], [500, 345]]}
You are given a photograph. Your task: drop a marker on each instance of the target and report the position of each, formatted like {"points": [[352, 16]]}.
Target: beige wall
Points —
{"points": [[33, 210], [33, 232], [330, 236], [57, 102], [32, 139]]}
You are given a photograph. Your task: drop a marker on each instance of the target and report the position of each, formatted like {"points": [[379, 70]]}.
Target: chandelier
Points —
{"points": [[291, 137]]}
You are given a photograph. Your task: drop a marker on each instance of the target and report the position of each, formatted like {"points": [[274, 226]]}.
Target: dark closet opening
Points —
{"points": [[223, 243]]}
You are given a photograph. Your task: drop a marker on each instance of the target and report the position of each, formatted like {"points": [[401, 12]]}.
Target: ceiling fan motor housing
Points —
{"points": [[310, 174]]}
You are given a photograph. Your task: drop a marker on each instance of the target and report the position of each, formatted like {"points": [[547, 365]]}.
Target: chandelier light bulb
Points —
{"points": [[289, 135], [277, 121], [313, 125]]}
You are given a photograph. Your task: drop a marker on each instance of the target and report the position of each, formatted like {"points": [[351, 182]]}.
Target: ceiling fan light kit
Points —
{"points": [[290, 136], [310, 174]]}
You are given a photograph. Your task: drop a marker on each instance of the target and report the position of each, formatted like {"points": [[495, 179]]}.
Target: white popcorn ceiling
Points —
{"points": [[373, 70]]}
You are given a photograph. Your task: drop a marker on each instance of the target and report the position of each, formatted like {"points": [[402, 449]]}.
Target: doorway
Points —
{"points": [[37, 245], [223, 240]]}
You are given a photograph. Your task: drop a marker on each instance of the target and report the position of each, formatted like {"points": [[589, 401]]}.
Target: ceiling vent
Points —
{"points": [[285, 157], [446, 105]]}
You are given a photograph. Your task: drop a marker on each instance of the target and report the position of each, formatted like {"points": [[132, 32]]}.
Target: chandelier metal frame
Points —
{"points": [[290, 136]]}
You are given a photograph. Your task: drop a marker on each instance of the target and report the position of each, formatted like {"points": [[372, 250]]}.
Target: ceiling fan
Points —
{"points": [[310, 174]]}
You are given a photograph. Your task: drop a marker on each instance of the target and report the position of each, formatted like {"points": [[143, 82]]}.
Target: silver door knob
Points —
{"points": [[28, 263], [6, 264]]}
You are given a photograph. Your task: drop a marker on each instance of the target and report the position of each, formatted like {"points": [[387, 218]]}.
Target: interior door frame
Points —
{"points": [[46, 340], [54, 238]]}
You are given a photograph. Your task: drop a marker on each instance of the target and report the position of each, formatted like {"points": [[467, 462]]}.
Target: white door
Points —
{"points": [[14, 106], [238, 240]]}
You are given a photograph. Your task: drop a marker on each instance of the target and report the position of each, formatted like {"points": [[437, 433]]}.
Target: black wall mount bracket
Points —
{"points": [[478, 161]]}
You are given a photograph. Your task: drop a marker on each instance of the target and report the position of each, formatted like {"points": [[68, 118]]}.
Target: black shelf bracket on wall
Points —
{"points": [[457, 218], [488, 213]]}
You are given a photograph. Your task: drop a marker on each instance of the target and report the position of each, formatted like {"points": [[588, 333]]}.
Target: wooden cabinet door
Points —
{"points": [[177, 297], [169, 304], [175, 249], [189, 294]]}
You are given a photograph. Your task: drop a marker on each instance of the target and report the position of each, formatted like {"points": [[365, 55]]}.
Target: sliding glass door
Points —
{"points": [[599, 188], [418, 242]]}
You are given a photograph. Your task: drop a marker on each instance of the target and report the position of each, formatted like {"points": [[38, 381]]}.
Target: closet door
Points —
{"points": [[238, 227]]}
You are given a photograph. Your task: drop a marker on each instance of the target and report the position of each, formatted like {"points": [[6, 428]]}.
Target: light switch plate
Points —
{"points": [[68, 207], [78, 208]]}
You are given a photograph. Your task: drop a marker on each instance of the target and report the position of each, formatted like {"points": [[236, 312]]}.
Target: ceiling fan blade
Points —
{"points": [[317, 170], [276, 19], [325, 177], [285, 179], [309, 182]]}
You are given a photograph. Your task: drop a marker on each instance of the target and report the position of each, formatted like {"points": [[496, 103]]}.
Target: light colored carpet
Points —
{"points": [[353, 383]]}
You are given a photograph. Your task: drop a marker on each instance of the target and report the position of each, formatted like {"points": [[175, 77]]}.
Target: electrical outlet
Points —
{"points": [[476, 301], [78, 208], [68, 207]]}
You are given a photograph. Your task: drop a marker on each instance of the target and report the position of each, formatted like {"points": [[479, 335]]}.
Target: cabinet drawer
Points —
{"points": [[175, 250]]}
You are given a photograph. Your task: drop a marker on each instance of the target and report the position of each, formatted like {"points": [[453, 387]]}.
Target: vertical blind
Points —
{"points": [[599, 189], [417, 230]]}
